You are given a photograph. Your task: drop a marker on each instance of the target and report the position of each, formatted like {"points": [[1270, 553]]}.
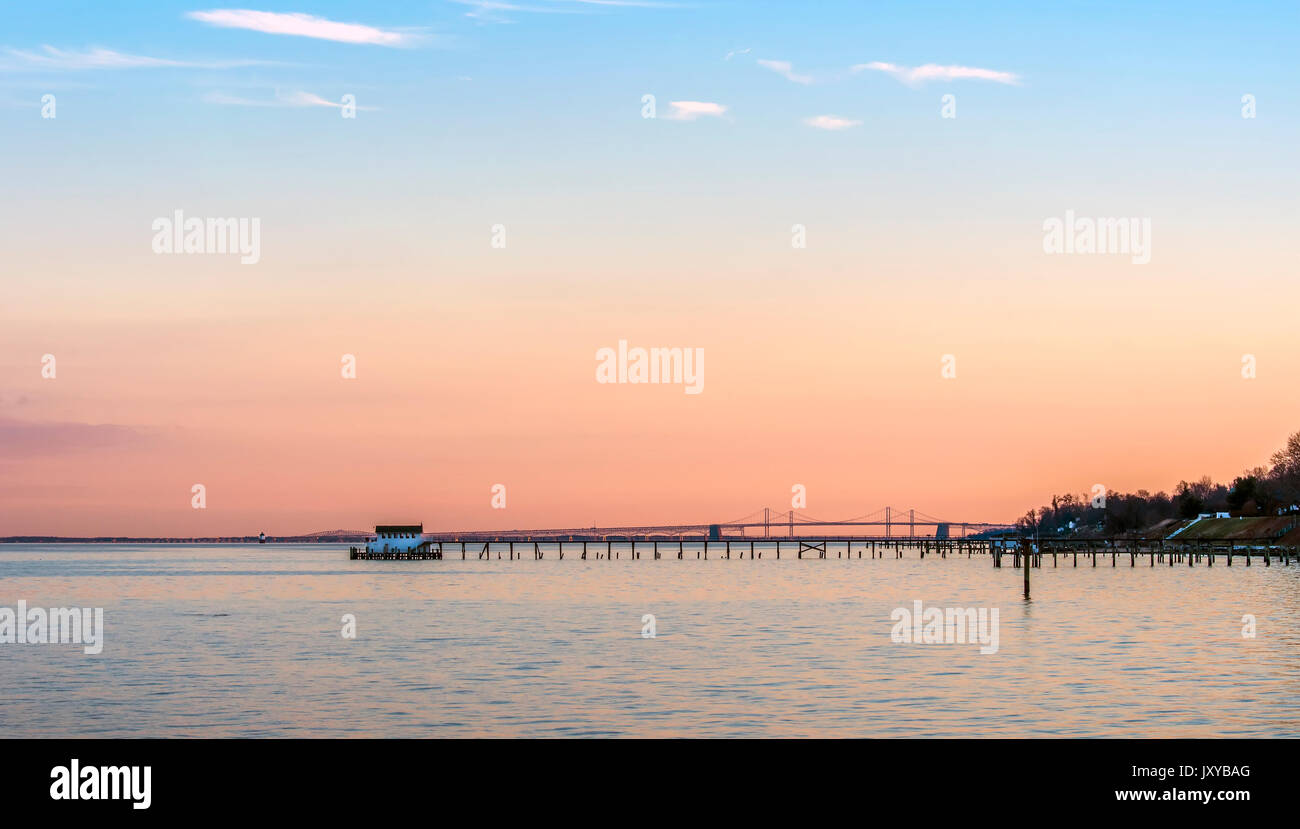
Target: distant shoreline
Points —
{"points": [[323, 538]]}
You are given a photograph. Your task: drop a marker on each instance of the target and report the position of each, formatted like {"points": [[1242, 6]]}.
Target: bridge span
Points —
{"points": [[891, 523], [756, 533], [816, 539]]}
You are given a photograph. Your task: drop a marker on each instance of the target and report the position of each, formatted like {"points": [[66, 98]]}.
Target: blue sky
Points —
{"points": [[1106, 92], [478, 110], [1103, 68], [925, 237]]}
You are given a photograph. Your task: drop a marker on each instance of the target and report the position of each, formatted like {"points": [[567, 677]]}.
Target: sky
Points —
{"points": [[469, 199]]}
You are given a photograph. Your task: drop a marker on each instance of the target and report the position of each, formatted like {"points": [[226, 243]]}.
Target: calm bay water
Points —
{"points": [[224, 640]]}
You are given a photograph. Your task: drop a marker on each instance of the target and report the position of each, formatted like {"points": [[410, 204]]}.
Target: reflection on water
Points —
{"points": [[224, 641]]}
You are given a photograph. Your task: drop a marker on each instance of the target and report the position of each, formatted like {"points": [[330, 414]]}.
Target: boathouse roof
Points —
{"points": [[399, 528]]}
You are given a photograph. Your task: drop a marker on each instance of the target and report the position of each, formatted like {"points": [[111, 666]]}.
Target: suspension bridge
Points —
{"points": [[890, 522], [764, 530]]}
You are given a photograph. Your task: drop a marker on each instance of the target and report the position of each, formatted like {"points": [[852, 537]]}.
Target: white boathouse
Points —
{"points": [[395, 538]]}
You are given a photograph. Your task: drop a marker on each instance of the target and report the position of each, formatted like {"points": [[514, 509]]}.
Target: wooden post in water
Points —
{"points": [[1026, 563]]}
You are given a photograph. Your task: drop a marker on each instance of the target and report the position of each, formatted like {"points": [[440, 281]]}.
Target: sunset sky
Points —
{"points": [[475, 364]]}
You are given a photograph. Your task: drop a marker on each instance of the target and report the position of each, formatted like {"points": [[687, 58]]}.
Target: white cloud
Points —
{"points": [[690, 110], [296, 98], [831, 122], [638, 4], [303, 25], [935, 72], [233, 100], [97, 58], [305, 99], [491, 11], [785, 69]]}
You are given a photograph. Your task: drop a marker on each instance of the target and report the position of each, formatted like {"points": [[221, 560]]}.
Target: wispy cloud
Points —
{"points": [[295, 98], [493, 11], [935, 72], [29, 439], [785, 69], [735, 52], [98, 58], [304, 25], [633, 4], [831, 122], [690, 110]]}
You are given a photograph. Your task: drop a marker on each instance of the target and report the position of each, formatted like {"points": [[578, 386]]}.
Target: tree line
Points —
{"points": [[1264, 490]]}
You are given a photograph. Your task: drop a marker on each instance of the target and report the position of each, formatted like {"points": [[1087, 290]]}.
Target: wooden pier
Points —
{"points": [[634, 548], [1133, 551], [1161, 551]]}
